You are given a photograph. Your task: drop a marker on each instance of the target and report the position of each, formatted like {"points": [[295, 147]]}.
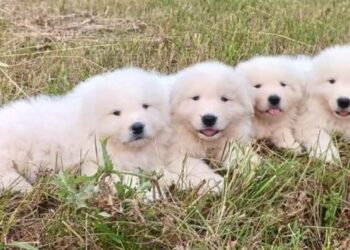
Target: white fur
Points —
{"points": [[63, 132], [267, 74], [211, 81], [319, 116]]}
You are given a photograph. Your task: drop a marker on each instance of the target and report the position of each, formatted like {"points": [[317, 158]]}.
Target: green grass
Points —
{"points": [[288, 203]]}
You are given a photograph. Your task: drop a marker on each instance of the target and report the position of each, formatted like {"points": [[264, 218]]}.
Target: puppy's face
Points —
{"points": [[277, 87], [208, 98], [331, 80], [334, 92], [129, 108]]}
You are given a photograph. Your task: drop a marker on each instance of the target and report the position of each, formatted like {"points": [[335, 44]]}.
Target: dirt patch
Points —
{"points": [[41, 21]]}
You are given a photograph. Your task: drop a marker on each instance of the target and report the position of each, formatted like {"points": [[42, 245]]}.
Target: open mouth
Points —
{"points": [[137, 138], [209, 132], [274, 111], [342, 113]]}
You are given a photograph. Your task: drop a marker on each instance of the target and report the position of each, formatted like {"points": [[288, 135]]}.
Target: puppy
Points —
{"points": [[328, 107], [210, 106], [278, 83], [129, 107]]}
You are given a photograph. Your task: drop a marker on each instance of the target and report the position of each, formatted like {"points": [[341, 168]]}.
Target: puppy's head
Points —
{"points": [[331, 80], [277, 84], [208, 98], [128, 106]]}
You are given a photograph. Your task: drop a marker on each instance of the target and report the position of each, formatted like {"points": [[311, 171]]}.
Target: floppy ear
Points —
{"points": [[88, 94], [88, 109], [171, 88], [304, 71], [248, 98], [174, 91], [310, 83], [174, 98], [164, 101], [298, 90], [249, 101]]}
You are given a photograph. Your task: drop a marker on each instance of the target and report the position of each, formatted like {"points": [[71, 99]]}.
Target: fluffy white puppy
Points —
{"points": [[328, 107], [210, 106], [128, 106], [278, 85]]}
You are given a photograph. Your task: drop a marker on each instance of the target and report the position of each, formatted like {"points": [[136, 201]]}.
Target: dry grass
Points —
{"points": [[289, 203]]}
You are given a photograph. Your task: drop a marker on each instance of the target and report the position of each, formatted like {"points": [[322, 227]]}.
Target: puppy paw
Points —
{"points": [[131, 181], [109, 182], [216, 186], [296, 148], [242, 156], [27, 188], [153, 195], [23, 187], [207, 183], [292, 146], [330, 156], [254, 159]]}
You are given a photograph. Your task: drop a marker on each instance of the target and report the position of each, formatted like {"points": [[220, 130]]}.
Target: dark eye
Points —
{"points": [[331, 81], [283, 84], [224, 99], [117, 113], [195, 98], [257, 86], [145, 106]]}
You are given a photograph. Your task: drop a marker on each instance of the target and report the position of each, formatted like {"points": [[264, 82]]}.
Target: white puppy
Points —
{"points": [[328, 106], [210, 106], [278, 84], [128, 106]]}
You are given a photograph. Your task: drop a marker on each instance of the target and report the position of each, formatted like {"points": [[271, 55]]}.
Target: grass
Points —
{"points": [[288, 203]]}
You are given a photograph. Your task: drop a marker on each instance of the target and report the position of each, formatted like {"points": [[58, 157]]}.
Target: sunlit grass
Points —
{"points": [[287, 203]]}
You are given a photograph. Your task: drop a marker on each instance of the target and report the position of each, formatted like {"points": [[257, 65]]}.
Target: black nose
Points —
{"points": [[137, 128], [274, 99], [343, 102], [209, 120]]}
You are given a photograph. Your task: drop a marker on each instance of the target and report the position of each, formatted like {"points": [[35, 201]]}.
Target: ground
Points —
{"points": [[287, 203]]}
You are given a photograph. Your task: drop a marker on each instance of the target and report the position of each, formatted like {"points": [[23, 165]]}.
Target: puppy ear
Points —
{"points": [[309, 84], [87, 94], [249, 101], [173, 89], [303, 69], [164, 101], [248, 94], [174, 100], [299, 90]]}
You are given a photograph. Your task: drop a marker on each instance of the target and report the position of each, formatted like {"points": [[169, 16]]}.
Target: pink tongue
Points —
{"points": [[274, 111], [209, 132], [343, 113]]}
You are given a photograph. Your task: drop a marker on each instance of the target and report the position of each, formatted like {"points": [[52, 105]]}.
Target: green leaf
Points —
{"points": [[145, 186], [105, 215], [3, 65], [62, 181], [108, 164], [22, 245]]}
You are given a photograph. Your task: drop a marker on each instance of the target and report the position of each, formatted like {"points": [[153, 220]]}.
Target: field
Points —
{"points": [[289, 202]]}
